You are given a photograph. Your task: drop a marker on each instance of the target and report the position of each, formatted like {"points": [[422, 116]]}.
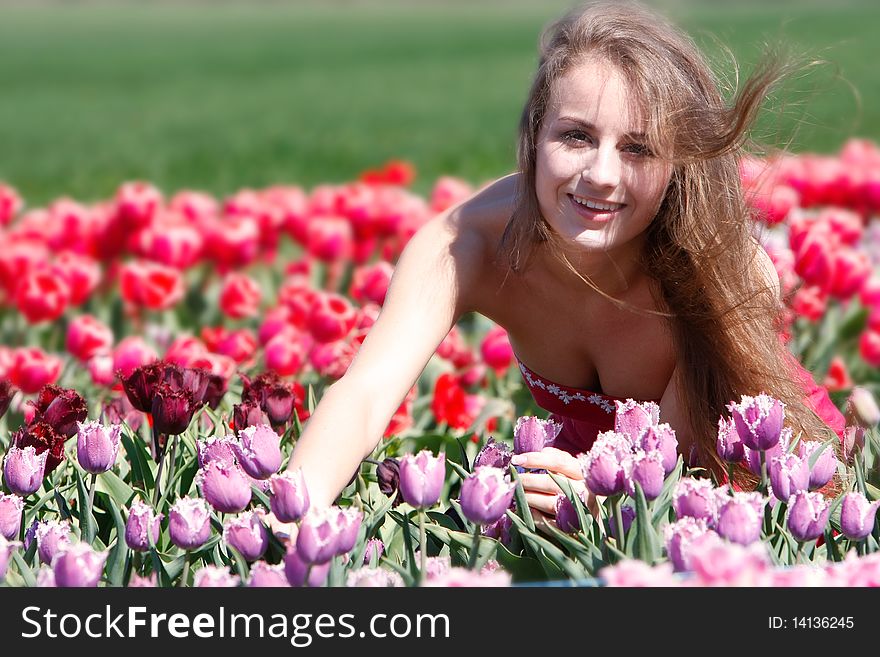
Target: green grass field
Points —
{"points": [[223, 97]]}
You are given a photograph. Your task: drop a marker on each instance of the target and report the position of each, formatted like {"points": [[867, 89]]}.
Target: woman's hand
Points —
{"points": [[540, 489]]}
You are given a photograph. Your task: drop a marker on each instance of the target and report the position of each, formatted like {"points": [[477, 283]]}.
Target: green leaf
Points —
{"points": [[459, 470], [115, 568], [139, 459], [546, 549], [646, 539], [86, 517], [522, 506], [26, 574], [464, 457], [110, 483]]}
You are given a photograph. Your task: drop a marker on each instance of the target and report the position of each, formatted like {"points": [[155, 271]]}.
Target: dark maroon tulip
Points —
{"points": [[5, 396], [217, 387], [172, 409], [248, 414], [274, 395], [140, 383], [43, 438], [119, 410], [196, 380], [61, 408], [388, 473]]}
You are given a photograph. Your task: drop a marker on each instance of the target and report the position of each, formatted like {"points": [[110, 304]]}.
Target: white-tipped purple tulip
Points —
{"points": [[247, 534], [78, 565], [374, 550], [627, 515], [728, 443], [6, 548], [303, 573], [377, 578], [825, 465], [11, 508], [143, 525], [678, 537], [758, 420], [421, 478], [721, 563], [215, 577], [290, 495], [857, 516], [567, 519], [45, 577], [807, 515], [53, 536], [633, 418], [753, 456], [259, 451], [496, 454], [532, 434], [97, 446], [189, 523], [660, 438], [216, 448], [225, 487], [23, 469], [695, 498], [264, 576], [645, 469], [318, 536], [486, 495], [789, 473], [143, 582], [603, 464], [348, 524], [740, 518]]}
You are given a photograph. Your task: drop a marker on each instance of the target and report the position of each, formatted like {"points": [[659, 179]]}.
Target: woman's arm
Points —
{"points": [[428, 293]]}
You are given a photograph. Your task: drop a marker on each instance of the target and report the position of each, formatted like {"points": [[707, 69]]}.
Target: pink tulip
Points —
{"points": [[240, 296], [285, 353], [32, 369], [132, 352], [137, 202], [496, 350], [11, 508], [370, 282], [42, 296], [331, 317], [329, 238], [632, 417], [215, 577]]}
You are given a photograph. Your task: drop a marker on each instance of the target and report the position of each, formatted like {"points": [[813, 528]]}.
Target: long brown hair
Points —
{"points": [[724, 316]]}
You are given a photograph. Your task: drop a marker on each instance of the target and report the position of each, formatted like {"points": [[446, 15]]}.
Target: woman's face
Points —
{"points": [[597, 183]]}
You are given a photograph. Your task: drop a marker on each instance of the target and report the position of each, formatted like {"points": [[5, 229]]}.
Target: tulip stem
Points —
{"points": [[185, 574], [730, 476], [618, 522], [423, 545], [171, 465], [797, 554], [92, 493], [475, 550], [763, 471], [157, 490]]}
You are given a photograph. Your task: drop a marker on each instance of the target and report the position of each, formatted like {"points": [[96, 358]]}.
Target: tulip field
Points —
{"points": [[163, 349]]}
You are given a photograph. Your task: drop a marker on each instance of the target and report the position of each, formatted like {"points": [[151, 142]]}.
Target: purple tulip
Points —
{"points": [[627, 515], [789, 473], [6, 548], [421, 478], [373, 551], [303, 573], [494, 454], [97, 446], [660, 438], [753, 456], [678, 537], [645, 469], [603, 464], [807, 515], [825, 465], [146, 582], [290, 495], [740, 518], [716, 562], [567, 520], [485, 495], [259, 451], [216, 448], [532, 434], [758, 420], [143, 526], [264, 575], [696, 498], [53, 537], [11, 507], [373, 578], [23, 470], [348, 524], [499, 530], [225, 487], [215, 577], [247, 534], [633, 418], [189, 523], [728, 444], [78, 565], [318, 536], [857, 516]]}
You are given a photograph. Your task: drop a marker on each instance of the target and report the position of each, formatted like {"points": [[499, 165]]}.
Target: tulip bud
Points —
{"points": [[494, 454], [645, 469], [189, 523], [303, 573], [486, 495], [331, 318], [143, 527], [52, 537], [290, 495], [215, 577], [853, 439], [247, 534], [23, 470], [172, 409], [318, 536], [496, 350], [660, 438], [678, 537], [259, 451], [695, 498], [863, 407], [632, 417], [97, 446], [789, 474], [348, 523], [264, 575], [758, 420], [374, 550], [11, 508], [825, 466], [740, 518], [6, 548], [388, 475], [224, 486], [807, 515], [532, 434], [728, 444], [421, 478], [603, 464], [78, 566], [857, 516]]}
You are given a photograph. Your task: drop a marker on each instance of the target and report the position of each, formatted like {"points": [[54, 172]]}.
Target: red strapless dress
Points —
{"points": [[584, 414]]}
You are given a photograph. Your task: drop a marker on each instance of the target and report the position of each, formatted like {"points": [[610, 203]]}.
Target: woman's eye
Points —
{"points": [[637, 149], [575, 136]]}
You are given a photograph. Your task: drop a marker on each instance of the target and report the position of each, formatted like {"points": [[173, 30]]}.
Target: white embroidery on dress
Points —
{"points": [[566, 398]]}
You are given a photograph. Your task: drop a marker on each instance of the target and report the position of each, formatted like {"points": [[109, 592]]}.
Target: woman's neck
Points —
{"points": [[613, 272]]}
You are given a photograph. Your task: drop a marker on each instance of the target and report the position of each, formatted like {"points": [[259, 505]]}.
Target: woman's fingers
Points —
{"points": [[542, 502], [551, 459], [539, 483], [543, 522]]}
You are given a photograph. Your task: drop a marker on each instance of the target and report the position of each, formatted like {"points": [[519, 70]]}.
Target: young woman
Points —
{"points": [[619, 258]]}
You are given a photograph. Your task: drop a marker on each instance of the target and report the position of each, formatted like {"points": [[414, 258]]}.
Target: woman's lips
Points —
{"points": [[591, 214]]}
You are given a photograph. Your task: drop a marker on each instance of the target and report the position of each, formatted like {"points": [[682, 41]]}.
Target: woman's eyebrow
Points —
{"points": [[635, 136]]}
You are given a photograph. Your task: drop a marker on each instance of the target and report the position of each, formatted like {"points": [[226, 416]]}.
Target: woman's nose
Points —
{"points": [[603, 169]]}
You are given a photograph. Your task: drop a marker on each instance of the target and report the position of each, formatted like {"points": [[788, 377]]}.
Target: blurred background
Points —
{"points": [[218, 96]]}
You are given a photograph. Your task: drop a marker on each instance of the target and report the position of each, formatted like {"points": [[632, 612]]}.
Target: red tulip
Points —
{"points": [[240, 296], [10, 204], [42, 296], [33, 368], [370, 283], [87, 337], [150, 285]]}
